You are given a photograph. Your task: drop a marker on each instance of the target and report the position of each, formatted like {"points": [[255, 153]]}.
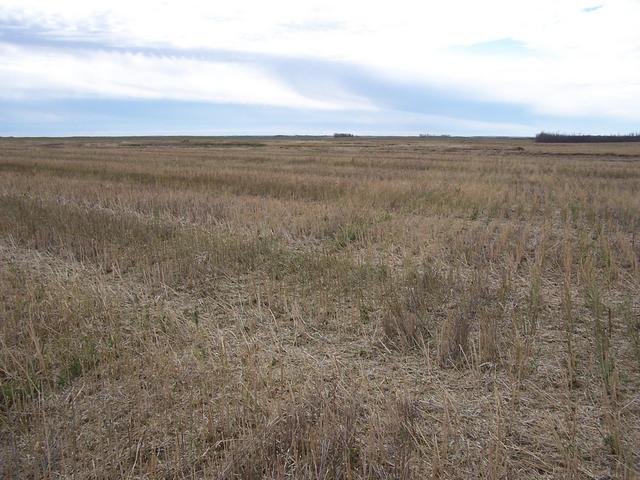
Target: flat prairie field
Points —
{"points": [[319, 308]]}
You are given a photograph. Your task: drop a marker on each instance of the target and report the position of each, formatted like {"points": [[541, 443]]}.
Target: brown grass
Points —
{"points": [[339, 308]]}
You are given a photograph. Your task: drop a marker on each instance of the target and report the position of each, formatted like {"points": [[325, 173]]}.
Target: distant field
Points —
{"points": [[319, 308]]}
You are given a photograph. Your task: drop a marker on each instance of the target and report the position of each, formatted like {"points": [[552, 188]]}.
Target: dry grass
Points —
{"points": [[337, 308]]}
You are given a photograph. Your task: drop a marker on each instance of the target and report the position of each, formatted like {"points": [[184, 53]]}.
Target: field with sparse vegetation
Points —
{"points": [[346, 308]]}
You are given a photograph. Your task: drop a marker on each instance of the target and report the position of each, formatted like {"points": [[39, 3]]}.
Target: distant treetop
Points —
{"points": [[544, 137]]}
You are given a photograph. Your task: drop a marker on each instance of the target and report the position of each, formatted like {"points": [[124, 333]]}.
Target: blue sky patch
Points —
{"points": [[503, 46]]}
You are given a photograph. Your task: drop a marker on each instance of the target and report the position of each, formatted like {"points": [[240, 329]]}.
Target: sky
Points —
{"points": [[248, 67]]}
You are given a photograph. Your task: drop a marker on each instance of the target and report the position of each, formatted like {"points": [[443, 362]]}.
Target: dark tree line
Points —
{"points": [[544, 137]]}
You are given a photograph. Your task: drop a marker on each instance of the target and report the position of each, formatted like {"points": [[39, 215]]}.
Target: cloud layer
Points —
{"points": [[547, 61]]}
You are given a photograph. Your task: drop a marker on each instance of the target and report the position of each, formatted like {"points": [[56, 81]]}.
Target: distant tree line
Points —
{"points": [[544, 137], [343, 135]]}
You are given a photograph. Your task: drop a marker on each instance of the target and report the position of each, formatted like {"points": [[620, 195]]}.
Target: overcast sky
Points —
{"points": [[498, 67]]}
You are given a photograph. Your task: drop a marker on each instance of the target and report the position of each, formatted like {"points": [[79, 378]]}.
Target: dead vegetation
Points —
{"points": [[341, 308]]}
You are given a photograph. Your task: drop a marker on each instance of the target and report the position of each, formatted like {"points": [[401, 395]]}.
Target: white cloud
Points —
{"points": [[584, 63], [28, 71], [440, 124]]}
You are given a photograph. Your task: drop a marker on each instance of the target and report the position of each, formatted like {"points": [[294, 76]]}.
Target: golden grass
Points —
{"points": [[320, 308]]}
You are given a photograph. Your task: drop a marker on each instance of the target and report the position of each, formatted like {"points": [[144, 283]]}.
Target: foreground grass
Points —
{"points": [[319, 309]]}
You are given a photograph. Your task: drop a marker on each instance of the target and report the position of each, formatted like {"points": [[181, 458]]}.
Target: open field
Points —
{"points": [[319, 308]]}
